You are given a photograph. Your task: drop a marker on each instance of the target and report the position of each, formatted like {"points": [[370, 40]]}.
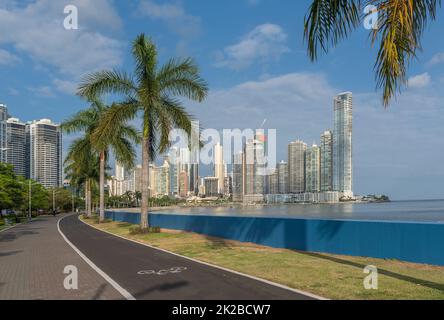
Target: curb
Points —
{"points": [[213, 266]]}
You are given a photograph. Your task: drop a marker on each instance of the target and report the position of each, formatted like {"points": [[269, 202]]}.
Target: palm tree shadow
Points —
{"points": [[413, 280], [161, 288]]}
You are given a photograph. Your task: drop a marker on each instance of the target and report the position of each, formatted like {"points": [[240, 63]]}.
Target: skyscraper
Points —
{"points": [[312, 169], [273, 182], [219, 167], [282, 170], [326, 161], [3, 135], [45, 145], [16, 145], [238, 177], [254, 173], [296, 166], [342, 144]]}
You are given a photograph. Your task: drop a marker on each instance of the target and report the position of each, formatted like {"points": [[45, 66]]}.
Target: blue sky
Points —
{"points": [[251, 52]]}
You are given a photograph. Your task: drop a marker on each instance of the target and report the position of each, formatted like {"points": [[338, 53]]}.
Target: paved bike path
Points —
{"points": [[33, 257], [122, 260]]}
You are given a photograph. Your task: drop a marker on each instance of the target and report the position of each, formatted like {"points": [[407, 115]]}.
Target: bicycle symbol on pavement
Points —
{"points": [[162, 272]]}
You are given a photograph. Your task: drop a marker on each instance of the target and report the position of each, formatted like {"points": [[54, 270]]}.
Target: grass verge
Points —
{"points": [[330, 276]]}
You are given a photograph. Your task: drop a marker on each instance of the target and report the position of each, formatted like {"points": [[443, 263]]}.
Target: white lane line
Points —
{"points": [[116, 286], [310, 295]]}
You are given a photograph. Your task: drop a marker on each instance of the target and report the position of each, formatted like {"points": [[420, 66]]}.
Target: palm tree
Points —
{"points": [[119, 141], [153, 93], [400, 27], [81, 167]]}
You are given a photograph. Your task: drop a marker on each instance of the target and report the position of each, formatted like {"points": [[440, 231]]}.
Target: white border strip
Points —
{"points": [[116, 286], [214, 266]]}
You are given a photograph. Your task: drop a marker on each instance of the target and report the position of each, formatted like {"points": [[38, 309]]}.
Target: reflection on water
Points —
{"points": [[429, 211]]}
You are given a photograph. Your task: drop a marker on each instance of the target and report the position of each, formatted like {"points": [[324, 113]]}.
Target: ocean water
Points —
{"points": [[412, 211]]}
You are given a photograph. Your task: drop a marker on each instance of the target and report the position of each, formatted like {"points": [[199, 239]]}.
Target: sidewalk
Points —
{"points": [[32, 259]]}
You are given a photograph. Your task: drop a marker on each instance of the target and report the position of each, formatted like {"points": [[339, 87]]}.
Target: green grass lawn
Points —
{"points": [[327, 275]]}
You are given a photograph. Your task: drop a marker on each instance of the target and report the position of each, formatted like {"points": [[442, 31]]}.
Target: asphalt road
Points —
{"points": [[164, 276]]}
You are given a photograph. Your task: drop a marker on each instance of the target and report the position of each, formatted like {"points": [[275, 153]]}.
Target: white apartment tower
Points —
{"points": [[44, 139], [342, 144], [219, 167]]}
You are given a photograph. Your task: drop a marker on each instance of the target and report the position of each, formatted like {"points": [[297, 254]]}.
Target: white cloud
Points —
{"points": [[42, 91], [65, 86], [264, 43], [174, 15], [437, 58], [7, 58], [36, 29], [419, 81], [13, 92]]}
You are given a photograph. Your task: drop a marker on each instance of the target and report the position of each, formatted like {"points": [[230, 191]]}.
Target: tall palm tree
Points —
{"points": [[399, 30], [119, 141], [151, 92], [81, 167]]}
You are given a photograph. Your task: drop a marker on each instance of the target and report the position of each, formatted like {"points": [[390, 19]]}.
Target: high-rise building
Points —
{"points": [[342, 144], [228, 186], [193, 178], [312, 169], [219, 167], [3, 135], [183, 184], [282, 171], [296, 166], [238, 177], [45, 151], [174, 171], [162, 180], [16, 145], [326, 161], [211, 186], [273, 182], [254, 168]]}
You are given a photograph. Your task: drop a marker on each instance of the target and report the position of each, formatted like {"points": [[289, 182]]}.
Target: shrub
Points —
{"points": [[137, 230]]}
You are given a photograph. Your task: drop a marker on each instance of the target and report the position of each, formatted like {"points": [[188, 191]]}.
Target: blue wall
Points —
{"points": [[415, 242]]}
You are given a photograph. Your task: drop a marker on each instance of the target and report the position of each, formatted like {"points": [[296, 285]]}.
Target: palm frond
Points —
{"points": [[145, 56], [329, 21], [112, 119], [401, 25], [181, 78], [98, 83]]}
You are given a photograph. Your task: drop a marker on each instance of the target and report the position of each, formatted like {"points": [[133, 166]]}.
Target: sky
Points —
{"points": [[252, 54]]}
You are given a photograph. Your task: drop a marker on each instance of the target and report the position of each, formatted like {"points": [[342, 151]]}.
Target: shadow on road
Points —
{"points": [[162, 288], [10, 253]]}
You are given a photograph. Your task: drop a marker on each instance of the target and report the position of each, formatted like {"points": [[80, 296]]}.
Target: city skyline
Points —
{"points": [[33, 148], [273, 80]]}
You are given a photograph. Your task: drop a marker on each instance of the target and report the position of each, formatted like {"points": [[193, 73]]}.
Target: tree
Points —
{"points": [[119, 140], [82, 168], [399, 30], [152, 93], [11, 191]]}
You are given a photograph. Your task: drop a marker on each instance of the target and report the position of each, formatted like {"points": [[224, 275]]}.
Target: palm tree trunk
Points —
{"points": [[89, 199], [102, 187], [86, 197], [144, 223]]}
